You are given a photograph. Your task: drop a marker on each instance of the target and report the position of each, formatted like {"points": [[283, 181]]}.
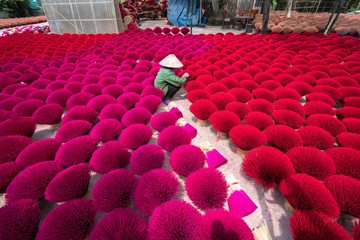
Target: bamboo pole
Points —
{"points": [[288, 8], [317, 8], [334, 16], [191, 24]]}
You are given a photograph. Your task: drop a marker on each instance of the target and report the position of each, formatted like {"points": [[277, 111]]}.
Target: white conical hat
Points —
{"points": [[127, 20], [171, 61]]}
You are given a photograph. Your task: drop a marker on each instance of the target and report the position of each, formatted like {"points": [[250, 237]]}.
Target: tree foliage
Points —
{"points": [[15, 8]]}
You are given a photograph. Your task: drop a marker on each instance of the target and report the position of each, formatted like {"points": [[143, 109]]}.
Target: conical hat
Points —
{"points": [[127, 20], [171, 61]]}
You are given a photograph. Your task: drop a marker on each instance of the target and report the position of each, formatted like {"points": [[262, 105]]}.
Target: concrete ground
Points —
{"points": [[270, 202], [161, 22]]}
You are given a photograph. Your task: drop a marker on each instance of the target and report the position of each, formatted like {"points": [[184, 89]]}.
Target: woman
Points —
{"points": [[166, 78]]}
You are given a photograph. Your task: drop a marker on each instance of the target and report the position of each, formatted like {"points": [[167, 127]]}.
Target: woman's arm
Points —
{"points": [[174, 80]]}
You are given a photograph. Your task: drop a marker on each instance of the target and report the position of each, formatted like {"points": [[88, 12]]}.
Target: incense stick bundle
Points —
{"points": [[173, 109], [262, 232], [213, 158], [239, 202], [190, 129]]}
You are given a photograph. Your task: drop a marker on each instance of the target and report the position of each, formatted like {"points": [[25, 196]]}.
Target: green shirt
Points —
{"points": [[166, 77]]}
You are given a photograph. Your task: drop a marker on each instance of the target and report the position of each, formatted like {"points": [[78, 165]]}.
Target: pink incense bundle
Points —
{"points": [[176, 111], [239, 202], [213, 158], [173, 109], [190, 129]]}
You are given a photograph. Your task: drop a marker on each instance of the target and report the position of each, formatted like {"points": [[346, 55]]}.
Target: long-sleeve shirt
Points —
{"points": [[166, 77]]}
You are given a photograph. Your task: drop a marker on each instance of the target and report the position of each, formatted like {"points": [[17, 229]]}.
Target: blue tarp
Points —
{"points": [[33, 4], [179, 12]]}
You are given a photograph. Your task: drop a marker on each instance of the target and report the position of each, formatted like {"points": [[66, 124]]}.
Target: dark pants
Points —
{"points": [[171, 91]]}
